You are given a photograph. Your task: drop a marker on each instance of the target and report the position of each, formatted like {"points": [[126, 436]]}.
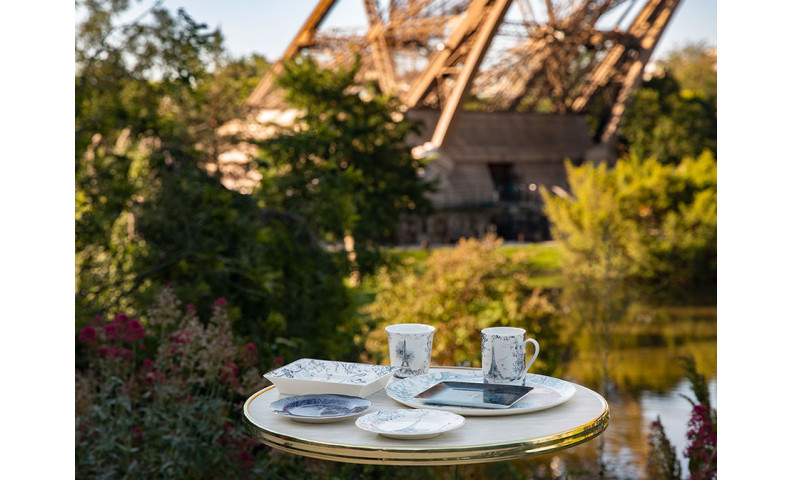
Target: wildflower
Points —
{"points": [[121, 319], [277, 361], [702, 449], [111, 331], [245, 458], [87, 334], [182, 337], [249, 355], [221, 302], [190, 307], [134, 331], [230, 372]]}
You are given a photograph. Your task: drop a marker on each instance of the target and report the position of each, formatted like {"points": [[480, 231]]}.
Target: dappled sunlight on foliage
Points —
{"points": [[653, 223], [461, 291]]}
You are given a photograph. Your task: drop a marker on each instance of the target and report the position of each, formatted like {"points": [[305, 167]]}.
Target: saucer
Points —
{"points": [[320, 408], [413, 424]]}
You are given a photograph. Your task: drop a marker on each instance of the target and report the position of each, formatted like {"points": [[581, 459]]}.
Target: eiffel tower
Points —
{"points": [[503, 88]]}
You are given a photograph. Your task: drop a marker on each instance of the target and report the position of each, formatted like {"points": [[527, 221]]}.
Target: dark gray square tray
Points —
{"points": [[470, 394]]}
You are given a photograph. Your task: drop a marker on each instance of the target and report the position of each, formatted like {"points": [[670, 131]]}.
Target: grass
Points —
{"points": [[544, 260]]}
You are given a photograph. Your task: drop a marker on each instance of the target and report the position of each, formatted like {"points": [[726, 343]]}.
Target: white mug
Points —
{"points": [[410, 347], [503, 354]]}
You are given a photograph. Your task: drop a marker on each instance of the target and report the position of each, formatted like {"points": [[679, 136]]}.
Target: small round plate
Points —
{"points": [[410, 424], [320, 408]]}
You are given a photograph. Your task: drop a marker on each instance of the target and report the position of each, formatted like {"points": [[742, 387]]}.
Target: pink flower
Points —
{"points": [[221, 302], [245, 458], [133, 331], [249, 355], [182, 337], [87, 334], [278, 361], [230, 372], [121, 319], [190, 307], [111, 331]]}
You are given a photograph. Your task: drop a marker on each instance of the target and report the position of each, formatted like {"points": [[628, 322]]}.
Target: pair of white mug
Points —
{"points": [[502, 351]]}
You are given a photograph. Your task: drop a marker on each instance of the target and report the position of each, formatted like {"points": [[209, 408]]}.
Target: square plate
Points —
{"points": [[469, 394], [548, 392], [307, 376]]}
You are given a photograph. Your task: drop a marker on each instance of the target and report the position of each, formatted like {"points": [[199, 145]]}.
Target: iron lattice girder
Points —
{"points": [[431, 54]]}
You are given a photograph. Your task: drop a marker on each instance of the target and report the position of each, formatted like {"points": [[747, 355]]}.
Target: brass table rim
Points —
{"points": [[427, 455]]}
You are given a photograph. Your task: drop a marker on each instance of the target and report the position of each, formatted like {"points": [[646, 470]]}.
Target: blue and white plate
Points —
{"points": [[309, 376], [547, 392], [322, 408], [413, 424]]}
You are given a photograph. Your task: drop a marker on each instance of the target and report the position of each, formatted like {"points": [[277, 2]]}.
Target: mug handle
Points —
{"points": [[536, 354]]}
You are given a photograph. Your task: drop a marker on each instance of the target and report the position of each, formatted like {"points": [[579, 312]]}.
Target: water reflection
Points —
{"points": [[647, 381]]}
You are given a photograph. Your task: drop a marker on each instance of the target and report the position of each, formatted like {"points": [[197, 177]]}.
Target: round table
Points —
{"points": [[479, 440]]}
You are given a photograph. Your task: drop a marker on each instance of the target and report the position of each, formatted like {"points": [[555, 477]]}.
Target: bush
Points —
{"points": [[461, 291], [160, 397], [183, 227], [656, 223]]}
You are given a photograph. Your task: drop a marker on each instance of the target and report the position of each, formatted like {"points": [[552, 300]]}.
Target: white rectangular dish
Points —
{"points": [[307, 376]]}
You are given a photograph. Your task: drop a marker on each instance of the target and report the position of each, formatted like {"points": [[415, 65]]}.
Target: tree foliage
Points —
{"points": [[461, 291], [655, 223], [344, 167], [674, 114], [149, 96]]}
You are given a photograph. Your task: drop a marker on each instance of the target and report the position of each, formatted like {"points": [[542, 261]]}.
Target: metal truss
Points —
{"points": [[552, 56]]}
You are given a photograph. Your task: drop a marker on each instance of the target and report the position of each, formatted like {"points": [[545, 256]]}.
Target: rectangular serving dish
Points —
{"points": [[470, 394], [307, 375]]}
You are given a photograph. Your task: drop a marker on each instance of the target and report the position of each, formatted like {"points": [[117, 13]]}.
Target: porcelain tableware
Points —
{"points": [[503, 354], [472, 394], [413, 424], [548, 392], [410, 347], [321, 408], [308, 375]]}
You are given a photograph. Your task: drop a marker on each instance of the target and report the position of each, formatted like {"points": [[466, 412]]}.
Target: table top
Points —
{"points": [[479, 440]]}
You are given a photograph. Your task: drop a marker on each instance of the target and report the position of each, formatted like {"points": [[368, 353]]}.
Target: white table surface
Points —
{"points": [[479, 440]]}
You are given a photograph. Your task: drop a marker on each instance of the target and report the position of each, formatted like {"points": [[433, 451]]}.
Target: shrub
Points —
{"points": [[461, 291], [656, 223], [160, 397]]}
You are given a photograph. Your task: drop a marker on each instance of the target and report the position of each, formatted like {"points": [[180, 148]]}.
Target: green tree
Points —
{"points": [[344, 167], [149, 96], [674, 114], [659, 220]]}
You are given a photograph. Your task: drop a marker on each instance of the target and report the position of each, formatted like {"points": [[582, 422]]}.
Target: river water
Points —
{"points": [[648, 382]]}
